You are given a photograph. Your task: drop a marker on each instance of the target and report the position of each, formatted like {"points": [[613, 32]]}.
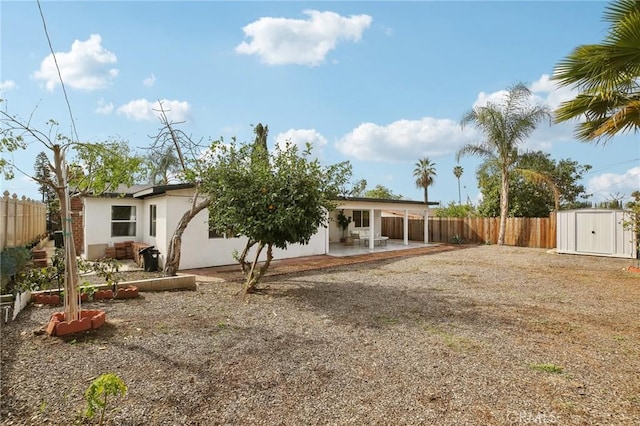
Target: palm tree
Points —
{"points": [[504, 126], [424, 173], [608, 76], [457, 172]]}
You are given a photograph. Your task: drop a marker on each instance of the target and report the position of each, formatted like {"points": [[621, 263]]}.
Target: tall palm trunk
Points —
{"points": [[426, 194], [504, 206]]}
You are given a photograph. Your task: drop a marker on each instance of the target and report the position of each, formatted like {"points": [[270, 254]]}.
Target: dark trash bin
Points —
{"points": [[58, 239], [150, 257]]}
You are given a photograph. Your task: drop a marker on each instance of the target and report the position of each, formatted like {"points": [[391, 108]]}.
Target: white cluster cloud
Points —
{"points": [[279, 41], [7, 85], [142, 109], [555, 94], [545, 92], [607, 184], [149, 81], [300, 137], [405, 140], [86, 66], [104, 108]]}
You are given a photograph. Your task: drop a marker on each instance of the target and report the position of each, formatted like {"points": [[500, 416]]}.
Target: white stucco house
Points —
{"points": [[149, 214]]}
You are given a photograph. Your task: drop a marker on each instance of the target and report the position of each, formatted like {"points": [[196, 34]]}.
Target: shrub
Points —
{"points": [[98, 392]]}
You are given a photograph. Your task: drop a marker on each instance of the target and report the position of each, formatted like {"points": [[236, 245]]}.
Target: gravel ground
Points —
{"points": [[483, 335]]}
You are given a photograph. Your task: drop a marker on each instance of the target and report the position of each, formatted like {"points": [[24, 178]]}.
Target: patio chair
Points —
{"points": [[356, 237]]}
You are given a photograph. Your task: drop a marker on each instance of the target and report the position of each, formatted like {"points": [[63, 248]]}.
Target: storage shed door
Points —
{"points": [[594, 232]]}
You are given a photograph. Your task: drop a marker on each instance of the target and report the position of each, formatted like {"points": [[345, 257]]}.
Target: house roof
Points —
{"points": [[361, 203], [157, 190], [384, 200], [144, 191]]}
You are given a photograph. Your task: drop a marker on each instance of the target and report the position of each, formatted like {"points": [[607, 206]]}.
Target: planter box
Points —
{"points": [[46, 299], [89, 319], [127, 293]]}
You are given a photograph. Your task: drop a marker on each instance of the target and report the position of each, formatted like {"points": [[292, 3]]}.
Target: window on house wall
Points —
{"points": [[361, 218], [153, 210], [123, 221]]}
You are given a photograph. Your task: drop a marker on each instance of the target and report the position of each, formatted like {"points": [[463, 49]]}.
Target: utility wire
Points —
{"points": [[610, 165], [55, 60]]}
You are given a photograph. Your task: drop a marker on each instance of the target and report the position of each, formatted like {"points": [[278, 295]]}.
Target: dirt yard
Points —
{"points": [[485, 335]]}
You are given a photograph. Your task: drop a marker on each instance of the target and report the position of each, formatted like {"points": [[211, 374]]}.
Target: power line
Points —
{"points": [[611, 165], [55, 60]]}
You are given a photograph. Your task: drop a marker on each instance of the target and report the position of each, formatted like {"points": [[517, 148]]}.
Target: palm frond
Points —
{"points": [[540, 178], [477, 150], [618, 10]]}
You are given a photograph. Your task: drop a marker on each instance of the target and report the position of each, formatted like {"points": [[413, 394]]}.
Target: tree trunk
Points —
{"points": [[71, 297], [504, 206], [172, 262], [253, 276], [426, 194], [459, 196]]}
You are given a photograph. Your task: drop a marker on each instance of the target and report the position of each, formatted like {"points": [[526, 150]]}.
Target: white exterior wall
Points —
{"points": [[335, 231], [97, 221], [161, 240], [198, 250], [598, 232]]}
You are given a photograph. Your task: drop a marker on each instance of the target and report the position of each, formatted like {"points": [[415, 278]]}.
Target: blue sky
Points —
{"points": [[380, 84]]}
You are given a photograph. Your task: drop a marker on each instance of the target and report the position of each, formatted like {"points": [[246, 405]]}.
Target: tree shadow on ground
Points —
{"points": [[360, 304]]}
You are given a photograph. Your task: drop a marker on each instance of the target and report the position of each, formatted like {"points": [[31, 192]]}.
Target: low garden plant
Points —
{"points": [[98, 393]]}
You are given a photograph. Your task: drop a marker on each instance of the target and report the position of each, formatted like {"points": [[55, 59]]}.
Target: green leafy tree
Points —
{"points": [[456, 210], [96, 168], [262, 135], [162, 165], [531, 196], [633, 221], [457, 172], [424, 172], [607, 75], [42, 174], [358, 189], [273, 199], [382, 192], [504, 126]]}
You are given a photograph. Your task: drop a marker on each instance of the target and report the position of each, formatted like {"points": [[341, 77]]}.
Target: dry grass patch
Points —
{"points": [[483, 335]]}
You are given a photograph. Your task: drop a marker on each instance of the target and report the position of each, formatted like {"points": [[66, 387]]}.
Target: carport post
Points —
{"points": [[426, 226], [372, 227], [405, 225]]}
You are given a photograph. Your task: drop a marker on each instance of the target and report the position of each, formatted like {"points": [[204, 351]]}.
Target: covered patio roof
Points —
{"points": [[372, 205]]}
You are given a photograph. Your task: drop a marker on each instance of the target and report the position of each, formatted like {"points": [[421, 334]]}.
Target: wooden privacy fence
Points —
{"points": [[21, 221], [521, 231]]}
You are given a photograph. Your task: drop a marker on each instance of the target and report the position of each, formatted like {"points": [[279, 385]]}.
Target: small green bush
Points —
{"points": [[98, 392], [14, 260]]}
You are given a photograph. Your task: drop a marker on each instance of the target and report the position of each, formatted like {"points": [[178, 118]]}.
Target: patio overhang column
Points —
{"points": [[327, 235], [426, 226], [405, 227], [372, 229]]}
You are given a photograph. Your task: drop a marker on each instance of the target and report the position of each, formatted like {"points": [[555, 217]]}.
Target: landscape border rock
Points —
{"points": [[89, 319]]}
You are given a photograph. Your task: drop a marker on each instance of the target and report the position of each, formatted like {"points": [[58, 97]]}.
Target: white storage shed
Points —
{"points": [[598, 232]]}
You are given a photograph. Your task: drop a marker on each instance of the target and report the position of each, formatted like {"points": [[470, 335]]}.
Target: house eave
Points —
{"points": [[161, 189]]}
